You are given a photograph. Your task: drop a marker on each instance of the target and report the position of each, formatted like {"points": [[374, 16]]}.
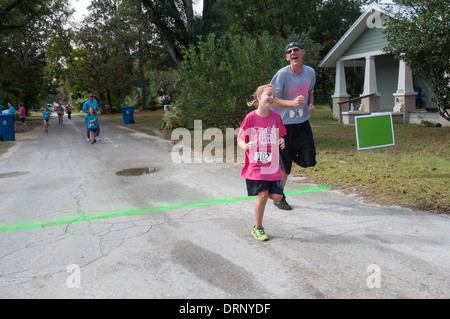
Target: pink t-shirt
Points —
{"points": [[263, 161], [22, 112]]}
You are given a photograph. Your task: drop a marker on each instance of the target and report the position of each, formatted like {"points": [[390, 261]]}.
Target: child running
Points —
{"points": [[259, 135], [60, 112], [46, 116], [22, 115], [92, 123]]}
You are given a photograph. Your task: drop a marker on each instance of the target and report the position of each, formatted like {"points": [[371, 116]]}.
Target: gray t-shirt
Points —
{"points": [[288, 86]]}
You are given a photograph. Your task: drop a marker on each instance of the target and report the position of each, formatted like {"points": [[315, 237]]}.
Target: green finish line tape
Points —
{"points": [[132, 212]]}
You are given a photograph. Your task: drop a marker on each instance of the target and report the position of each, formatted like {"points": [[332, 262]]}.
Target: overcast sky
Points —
{"points": [[80, 8]]}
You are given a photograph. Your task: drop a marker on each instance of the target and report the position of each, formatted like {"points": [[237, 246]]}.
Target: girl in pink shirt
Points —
{"points": [[22, 115], [260, 135]]}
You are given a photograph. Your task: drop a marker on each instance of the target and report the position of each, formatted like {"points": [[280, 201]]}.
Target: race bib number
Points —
{"points": [[263, 157], [295, 113]]}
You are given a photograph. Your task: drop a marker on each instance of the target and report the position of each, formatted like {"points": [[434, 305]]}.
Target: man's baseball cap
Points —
{"points": [[91, 94], [291, 45]]}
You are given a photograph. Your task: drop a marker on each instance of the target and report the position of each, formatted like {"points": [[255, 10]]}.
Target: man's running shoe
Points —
{"points": [[282, 204]]}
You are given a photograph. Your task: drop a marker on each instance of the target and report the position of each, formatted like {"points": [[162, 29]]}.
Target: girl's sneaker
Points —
{"points": [[258, 233]]}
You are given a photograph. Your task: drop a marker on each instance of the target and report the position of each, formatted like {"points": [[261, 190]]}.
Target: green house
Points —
{"points": [[389, 85]]}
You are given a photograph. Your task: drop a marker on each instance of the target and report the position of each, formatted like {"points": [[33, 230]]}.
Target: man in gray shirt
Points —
{"points": [[294, 101]]}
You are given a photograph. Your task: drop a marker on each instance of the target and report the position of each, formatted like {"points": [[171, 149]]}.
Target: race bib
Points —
{"points": [[263, 157], [295, 113]]}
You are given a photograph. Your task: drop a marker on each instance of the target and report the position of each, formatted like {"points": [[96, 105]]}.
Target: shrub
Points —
{"points": [[219, 76]]}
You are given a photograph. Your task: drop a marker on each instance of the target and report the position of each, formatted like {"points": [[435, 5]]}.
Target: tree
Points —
{"points": [[143, 32], [103, 60], [25, 27], [176, 24], [419, 35]]}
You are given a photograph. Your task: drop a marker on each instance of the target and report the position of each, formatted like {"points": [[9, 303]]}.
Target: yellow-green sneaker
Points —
{"points": [[258, 233]]}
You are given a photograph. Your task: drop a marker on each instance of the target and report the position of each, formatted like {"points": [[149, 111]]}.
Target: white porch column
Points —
{"points": [[405, 79], [370, 77], [405, 97], [340, 89], [370, 104]]}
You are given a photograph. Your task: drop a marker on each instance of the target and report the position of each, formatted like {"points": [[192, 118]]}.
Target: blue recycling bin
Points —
{"points": [[7, 130], [127, 112]]}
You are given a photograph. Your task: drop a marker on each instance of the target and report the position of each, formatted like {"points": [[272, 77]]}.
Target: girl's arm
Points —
{"points": [[246, 146], [281, 142]]}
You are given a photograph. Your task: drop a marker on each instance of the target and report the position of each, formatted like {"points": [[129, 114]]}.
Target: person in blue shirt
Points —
{"points": [[88, 104], [92, 123], [12, 111], [46, 116]]}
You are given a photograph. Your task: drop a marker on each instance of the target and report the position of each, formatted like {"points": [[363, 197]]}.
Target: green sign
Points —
{"points": [[375, 130]]}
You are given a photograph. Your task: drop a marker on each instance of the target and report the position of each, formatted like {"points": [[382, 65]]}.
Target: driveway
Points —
{"points": [[76, 222]]}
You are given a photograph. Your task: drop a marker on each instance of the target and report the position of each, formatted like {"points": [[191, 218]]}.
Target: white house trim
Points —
{"points": [[362, 55]]}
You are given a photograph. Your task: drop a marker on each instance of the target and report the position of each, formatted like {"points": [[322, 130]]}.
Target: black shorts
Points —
{"points": [[299, 147], [254, 187], [22, 119]]}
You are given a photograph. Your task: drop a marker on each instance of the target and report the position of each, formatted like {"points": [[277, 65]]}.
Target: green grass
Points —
{"points": [[4, 146]]}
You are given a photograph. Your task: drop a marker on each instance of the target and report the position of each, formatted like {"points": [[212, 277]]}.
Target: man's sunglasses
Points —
{"points": [[292, 50]]}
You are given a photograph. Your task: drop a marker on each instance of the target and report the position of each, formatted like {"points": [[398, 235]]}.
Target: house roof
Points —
{"points": [[352, 34]]}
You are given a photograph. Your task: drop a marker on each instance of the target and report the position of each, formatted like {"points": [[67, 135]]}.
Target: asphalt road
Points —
{"points": [[70, 227]]}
